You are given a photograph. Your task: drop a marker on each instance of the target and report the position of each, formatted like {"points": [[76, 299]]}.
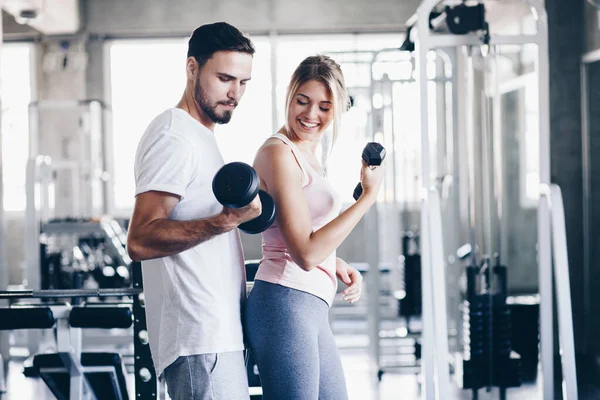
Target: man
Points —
{"points": [[192, 261]]}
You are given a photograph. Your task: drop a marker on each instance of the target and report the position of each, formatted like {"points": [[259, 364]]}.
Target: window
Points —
{"points": [[343, 165], [15, 94], [141, 90], [252, 121]]}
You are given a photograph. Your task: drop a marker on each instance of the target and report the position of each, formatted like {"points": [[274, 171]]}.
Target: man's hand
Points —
{"points": [[243, 214], [351, 277]]}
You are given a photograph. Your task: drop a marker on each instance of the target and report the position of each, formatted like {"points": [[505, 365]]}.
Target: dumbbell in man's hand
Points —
{"points": [[235, 185]]}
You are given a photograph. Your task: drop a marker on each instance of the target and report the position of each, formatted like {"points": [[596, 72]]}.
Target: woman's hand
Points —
{"points": [[371, 178], [351, 278]]}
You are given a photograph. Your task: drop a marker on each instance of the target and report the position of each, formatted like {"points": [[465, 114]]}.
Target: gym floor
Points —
{"points": [[350, 327], [362, 385]]}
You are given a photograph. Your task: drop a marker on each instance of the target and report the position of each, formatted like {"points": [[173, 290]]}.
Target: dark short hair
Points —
{"points": [[219, 36]]}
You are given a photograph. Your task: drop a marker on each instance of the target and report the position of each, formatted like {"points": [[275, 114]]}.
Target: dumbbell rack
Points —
{"points": [[107, 228]]}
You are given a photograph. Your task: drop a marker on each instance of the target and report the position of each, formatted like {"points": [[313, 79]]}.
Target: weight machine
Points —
{"points": [[475, 182]]}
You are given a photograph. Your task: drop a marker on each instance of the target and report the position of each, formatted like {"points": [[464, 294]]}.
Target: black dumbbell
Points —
{"points": [[235, 185], [373, 154]]}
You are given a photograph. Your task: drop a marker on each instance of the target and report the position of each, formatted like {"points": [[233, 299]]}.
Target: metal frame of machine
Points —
{"points": [[435, 367]]}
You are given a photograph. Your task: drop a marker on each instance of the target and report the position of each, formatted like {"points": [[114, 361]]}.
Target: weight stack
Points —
{"points": [[525, 314], [487, 332], [411, 304]]}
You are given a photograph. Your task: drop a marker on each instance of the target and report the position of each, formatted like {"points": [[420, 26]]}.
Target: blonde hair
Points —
{"points": [[323, 69]]}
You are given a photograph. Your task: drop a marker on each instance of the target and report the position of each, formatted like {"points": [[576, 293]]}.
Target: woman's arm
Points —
{"points": [[281, 177]]}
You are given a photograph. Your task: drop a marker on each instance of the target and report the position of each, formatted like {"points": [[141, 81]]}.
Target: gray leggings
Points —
{"points": [[289, 335]]}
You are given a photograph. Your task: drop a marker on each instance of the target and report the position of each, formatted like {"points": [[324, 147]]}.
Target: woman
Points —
{"points": [[286, 318]]}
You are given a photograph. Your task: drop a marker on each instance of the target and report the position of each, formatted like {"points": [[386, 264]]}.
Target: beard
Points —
{"points": [[210, 109]]}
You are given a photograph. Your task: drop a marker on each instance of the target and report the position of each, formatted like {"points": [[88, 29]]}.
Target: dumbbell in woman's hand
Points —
{"points": [[235, 185], [373, 155]]}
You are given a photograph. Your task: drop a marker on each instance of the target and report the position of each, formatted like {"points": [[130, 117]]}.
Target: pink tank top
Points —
{"points": [[276, 265]]}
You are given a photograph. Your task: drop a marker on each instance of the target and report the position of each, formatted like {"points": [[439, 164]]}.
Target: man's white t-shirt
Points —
{"points": [[194, 298]]}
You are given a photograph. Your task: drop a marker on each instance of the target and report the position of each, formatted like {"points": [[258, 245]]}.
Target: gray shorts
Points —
{"points": [[215, 376]]}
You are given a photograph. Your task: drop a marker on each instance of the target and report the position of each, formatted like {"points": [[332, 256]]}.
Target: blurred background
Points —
{"points": [[82, 79]]}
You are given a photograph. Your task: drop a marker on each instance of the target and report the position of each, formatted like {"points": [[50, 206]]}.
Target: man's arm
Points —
{"points": [[152, 235]]}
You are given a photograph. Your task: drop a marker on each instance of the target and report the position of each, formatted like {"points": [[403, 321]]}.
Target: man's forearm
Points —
{"points": [[164, 237]]}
